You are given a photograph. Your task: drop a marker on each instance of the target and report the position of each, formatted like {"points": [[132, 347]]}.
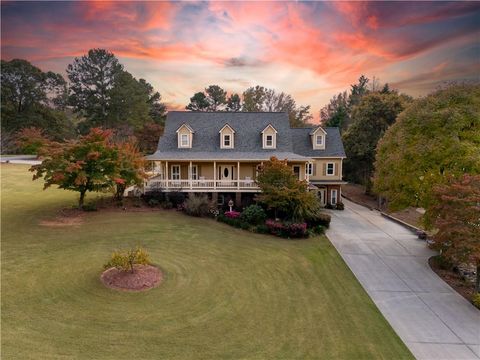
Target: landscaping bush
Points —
{"points": [[329, 206], [197, 205], [232, 214], [158, 195], [320, 219], [166, 205], [232, 221], [289, 230], [340, 206], [176, 198], [153, 202], [254, 214], [476, 300], [261, 229], [124, 260]]}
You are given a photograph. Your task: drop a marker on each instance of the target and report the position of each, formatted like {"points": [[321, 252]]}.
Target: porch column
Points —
{"points": [[238, 174], [190, 175], [166, 174], [214, 174]]}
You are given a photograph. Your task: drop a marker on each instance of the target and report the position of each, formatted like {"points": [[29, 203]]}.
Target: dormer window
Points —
{"points": [[184, 140], [269, 137], [318, 136], [226, 140], [227, 135], [185, 136], [269, 141]]}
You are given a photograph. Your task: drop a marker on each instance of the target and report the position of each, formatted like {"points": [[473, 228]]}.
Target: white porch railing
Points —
{"points": [[201, 184]]}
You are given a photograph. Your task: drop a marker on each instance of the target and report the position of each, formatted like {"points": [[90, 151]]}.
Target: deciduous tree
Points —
{"points": [[83, 165], [455, 213], [370, 119], [284, 193], [435, 137]]}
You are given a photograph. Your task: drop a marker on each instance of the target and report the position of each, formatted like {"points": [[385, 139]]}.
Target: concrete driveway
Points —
{"points": [[391, 264]]}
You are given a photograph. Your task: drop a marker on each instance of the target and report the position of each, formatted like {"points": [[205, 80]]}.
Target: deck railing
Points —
{"points": [[201, 184]]}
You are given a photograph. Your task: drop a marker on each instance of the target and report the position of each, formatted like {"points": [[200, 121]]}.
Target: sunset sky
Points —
{"points": [[311, 50]]}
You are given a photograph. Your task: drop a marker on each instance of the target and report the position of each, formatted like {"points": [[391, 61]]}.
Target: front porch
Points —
{"points": [[213, 176]]}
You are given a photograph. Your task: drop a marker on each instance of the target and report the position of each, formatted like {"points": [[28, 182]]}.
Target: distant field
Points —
{"points": [[228, 294]]}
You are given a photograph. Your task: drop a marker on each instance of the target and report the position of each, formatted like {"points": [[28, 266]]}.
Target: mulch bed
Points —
{"points": [[455, 280], [144, 277], [65, 217]]}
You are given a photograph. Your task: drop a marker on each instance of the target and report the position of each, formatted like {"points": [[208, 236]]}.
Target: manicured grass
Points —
{"points": [[228, 294]]}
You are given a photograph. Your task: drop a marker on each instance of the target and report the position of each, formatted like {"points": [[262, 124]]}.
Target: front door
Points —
{"points": [[226, 173]]}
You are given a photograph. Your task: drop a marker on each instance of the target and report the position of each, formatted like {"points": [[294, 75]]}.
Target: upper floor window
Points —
{"points": [[318, 138], [269, 141], [227, 137], [184, 141], [269, 136], [330, 169], [226, 140], [185, 136]]}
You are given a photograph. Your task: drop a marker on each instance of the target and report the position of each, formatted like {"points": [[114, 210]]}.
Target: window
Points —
{"points": [[226, 141], [333, 197], [296, 171], [175, 172], [269, 141], [309, 169], [319, 140], [194, 172], [220, 199], [184, 140], [330, 169]]}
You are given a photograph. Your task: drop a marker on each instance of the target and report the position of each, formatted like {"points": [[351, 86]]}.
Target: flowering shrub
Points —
{"points": [[232, 214], [290, 230]]}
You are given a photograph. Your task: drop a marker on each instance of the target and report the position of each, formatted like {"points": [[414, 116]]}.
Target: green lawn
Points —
{"points": [[228, 294]]}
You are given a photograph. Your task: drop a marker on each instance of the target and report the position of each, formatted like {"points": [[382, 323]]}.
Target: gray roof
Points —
{"points": [[292, 144], [303, 145]]}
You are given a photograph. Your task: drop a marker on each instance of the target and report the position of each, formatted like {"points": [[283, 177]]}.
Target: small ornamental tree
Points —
{"points": [[86, 164], [282, 191], [455, 212], [129, 168], [30, 140]]}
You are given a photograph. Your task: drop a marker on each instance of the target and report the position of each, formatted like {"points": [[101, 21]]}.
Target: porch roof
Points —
{"points": [[225, 156]]}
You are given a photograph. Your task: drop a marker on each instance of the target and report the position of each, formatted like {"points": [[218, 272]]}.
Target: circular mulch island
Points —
{"points": [[144, 277]]}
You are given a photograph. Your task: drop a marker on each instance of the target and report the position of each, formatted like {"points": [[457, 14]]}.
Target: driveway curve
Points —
{"points": [[433, 320]]}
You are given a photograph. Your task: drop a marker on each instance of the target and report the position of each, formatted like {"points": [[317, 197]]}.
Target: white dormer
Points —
{"points": [[318, 137], [269, 137], [185, 136], [227, 137]]}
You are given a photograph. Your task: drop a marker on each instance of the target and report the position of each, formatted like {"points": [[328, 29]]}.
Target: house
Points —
{"points": [[219, 153]]}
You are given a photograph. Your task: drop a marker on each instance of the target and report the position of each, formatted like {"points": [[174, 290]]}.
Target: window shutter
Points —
{"points": [[314, 169], [325, 169]]}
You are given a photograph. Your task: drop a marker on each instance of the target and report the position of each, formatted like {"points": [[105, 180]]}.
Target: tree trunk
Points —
{"points": [[82, 198], [477, 283]]}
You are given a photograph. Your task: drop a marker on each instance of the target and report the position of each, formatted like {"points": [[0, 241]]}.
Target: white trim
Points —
{"points": [[333, 169], [179, 171], [225, 126], [309, 169], [185, 126], [269, 126], [316, 140], [230, 140], [193, 172], [266, 145], [184, 137]]}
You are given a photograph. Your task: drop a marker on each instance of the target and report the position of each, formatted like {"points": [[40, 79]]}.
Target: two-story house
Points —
{"points": [[220, 152]]}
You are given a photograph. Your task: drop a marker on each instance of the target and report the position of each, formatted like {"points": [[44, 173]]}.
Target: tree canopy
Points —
{"points": [[33, 98], [435, 137], [371, 117], [284, 193]]}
